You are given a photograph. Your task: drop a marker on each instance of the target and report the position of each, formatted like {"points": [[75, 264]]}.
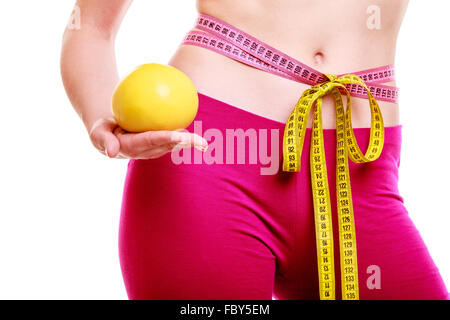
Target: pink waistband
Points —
{"points": [[228, 40]]}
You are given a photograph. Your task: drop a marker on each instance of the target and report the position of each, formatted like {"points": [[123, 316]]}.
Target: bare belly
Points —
{"points": [[320, 47]]}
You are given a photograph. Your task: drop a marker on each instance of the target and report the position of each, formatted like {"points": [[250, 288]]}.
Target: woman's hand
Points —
{"points": [[112, 141]]}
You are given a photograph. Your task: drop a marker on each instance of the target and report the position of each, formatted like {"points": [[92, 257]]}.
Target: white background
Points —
{"points": [[60, 199]]}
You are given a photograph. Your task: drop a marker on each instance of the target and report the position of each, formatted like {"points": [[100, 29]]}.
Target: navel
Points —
{"points": [[318, 57]]}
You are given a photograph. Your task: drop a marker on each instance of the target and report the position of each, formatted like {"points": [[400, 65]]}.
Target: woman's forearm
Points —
{"points": [[89, 72]]}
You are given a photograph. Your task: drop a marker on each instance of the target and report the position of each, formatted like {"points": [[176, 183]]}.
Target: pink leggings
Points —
{"points": [[225, 231]]}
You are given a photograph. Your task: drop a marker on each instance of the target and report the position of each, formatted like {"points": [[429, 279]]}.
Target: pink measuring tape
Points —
{"points": [[229, 41]]}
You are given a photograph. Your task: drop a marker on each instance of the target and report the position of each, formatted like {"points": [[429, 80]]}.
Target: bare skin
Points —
{"points": [[89, 73], [330, 36]]}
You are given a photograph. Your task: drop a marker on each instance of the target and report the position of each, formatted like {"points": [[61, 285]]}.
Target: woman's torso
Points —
{"points": [[339, 36]]}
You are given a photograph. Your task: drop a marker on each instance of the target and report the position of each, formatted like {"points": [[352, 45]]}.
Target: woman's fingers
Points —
{"points": [[156, 152], [101, 135], [152, 143], [114, 142], [112, 145], [160, 138]]}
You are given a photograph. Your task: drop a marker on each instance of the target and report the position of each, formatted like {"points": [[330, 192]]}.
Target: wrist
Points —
{"points": [[90, 121]]}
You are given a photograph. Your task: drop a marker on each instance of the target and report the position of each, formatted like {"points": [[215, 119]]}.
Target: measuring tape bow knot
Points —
{"points": [[346, 146], [225, 39]]}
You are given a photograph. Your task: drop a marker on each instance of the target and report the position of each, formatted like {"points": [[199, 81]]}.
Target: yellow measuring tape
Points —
{"points": [[346, 145]]}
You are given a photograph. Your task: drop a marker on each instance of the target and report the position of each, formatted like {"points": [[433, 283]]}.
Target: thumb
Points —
{"points": [[112, 145]]}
